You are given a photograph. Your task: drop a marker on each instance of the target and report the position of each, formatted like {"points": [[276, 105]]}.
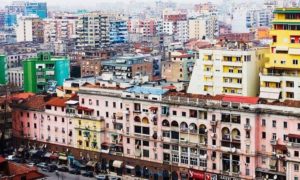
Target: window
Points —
{"points": [[296, 167], [214, 166], [183, 114], [274, 136], [285, 124], [202, 162], [274, 123], [295, 62], [296, 153], [107, 114], [184, 159], [28, 124], [193, 161], [247, 172], [175, 148], [175, 158], [248, 160], [166, 134], [82, 101], [97, 102], [174, 113], [128, 140], [166, 146], [63, 120], [145, 143], [79, 133], [263, 122], [263, 160], [114, 104], [298, 126], [263, 135], [145, 153], [34, 125]]}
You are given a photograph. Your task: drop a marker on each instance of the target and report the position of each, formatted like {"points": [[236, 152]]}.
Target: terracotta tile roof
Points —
{"points": [[57, 101], [36, 102], [19, 169], [21, 96], [241, 99]]}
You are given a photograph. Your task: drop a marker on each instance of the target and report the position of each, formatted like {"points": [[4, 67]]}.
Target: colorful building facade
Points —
{"points": [[3, 70], [45, 72], [280, 77]]}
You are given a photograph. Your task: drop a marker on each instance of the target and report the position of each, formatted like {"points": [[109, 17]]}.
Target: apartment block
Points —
{"points": [[118, 31], [3, 70], [232, 71], [44, 73], [205, 26], [16, 76], [92, 30], [280, 78], [29, 29], [36, 8]]}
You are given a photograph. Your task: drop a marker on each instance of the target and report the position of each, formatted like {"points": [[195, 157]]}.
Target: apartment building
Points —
{"points": [[175, 23], [280, 77], [179, 67], [146, 27], [60, 28], [205, 26], [44, 73], [224, 70], [16, 76], [137, 129], [29, 28], [129, 66], [92, 30], [118, 31]]}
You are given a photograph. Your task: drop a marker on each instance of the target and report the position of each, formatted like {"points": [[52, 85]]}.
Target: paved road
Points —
{"points": [[64, 176]]}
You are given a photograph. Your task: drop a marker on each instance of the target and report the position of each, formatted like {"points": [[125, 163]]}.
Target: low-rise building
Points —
{"points": [[16, 76]]}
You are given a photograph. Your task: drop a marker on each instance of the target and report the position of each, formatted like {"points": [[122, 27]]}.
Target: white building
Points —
{"points": [[231, 71], [29, 28], [205, 26], [175, 23], [16, 76]]}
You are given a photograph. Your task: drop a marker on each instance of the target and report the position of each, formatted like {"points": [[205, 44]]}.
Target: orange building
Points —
{"points": [[262, 33]]}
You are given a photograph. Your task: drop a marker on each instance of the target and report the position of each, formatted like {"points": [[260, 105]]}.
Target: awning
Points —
{"points": [[117, 164], [21, 149], [124, 68], [105, 151], [297, 136], [269, 95], [85, 109], [153, 108], [47, 155], [282, 48], [91, 163], [63, 158], [198, 175], [129, 167], [294, 51]]}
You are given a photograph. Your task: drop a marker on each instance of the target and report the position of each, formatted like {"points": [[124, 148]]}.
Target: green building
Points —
{"points": [[3, 70], [44, 73]]}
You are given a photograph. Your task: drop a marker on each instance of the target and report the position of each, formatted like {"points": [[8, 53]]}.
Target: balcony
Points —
{"points": [[247, 127], [293, 144], [213, 122], [273, 141]]}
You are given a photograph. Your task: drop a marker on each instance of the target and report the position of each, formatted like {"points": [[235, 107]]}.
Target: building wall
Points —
{"points": [[3, 70], [16, 76]]}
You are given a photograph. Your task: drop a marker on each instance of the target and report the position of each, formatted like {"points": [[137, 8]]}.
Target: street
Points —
{"points": [[64, 176]]}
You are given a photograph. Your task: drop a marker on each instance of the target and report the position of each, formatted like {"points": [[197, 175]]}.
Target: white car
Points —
{"points": [[100, 177]]}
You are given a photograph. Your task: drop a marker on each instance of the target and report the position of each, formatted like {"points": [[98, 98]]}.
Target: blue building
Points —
{"points": [[118, 32], [10, 20], [38, 8]]}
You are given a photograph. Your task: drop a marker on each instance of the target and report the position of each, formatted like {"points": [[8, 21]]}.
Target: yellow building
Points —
{"points": [[231, 70], [280, 78], [88, 130]]}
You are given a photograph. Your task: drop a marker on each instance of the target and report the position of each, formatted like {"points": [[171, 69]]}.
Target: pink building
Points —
{"points": [[146, 27], [146, 130]]}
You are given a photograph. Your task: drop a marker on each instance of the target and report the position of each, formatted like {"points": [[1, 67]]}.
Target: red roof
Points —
{"points": [[240, 99], [169, 87], [21, 96], [57, 101]]}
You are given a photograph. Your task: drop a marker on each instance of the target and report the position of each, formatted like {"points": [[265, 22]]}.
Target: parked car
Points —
{"points": [[30, 164], [75, 171], [101, 177], [45, 169], [52, 167], [42, 165], [63, 169], [88, 174], [115, 178]]}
